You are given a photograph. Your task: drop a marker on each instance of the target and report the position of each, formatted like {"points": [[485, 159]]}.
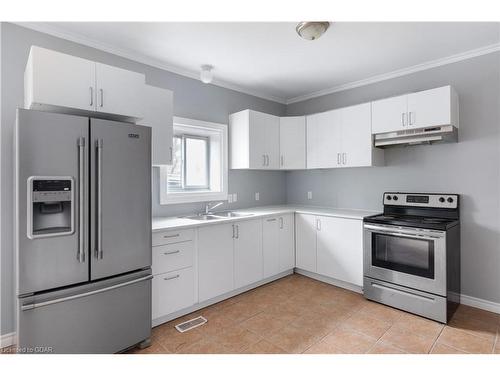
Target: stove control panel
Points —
{"points": [[421, 200]]}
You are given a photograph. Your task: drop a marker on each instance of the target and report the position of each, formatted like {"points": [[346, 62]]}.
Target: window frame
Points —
{"points": [[184, 171], [198, 195]]}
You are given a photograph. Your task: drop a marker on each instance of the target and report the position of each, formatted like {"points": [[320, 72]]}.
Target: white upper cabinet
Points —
{"points": [[435, 107], [254, 140], [389, 114], [342, 138], [293, 142], [54, 79], [119, 91], [57, 81], [157, 104], [324, 132]]}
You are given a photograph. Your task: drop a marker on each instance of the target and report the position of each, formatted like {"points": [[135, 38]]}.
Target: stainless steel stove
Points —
{"points": [[412, 254]]}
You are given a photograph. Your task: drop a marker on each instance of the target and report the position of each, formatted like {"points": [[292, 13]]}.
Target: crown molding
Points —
{"points": [[47, 28], [400, 72]]}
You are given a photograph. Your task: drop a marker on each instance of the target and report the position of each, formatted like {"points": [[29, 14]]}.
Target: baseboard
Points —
{"points": [[7, 340], [330, 280], [480, 303]]}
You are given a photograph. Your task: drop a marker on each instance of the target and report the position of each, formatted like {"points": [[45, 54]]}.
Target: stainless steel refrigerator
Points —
{"points": [[83, 233]]}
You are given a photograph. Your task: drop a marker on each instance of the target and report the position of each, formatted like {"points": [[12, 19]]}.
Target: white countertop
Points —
{"points": [[175, 222]]}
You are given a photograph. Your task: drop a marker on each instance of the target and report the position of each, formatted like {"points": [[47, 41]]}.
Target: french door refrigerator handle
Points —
{"points": [[81, 200], [98, 248], [31, 306]]}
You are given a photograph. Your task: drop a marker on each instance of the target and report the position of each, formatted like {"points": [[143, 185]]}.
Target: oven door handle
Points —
{"points": [[403, 292], [401, 234]]}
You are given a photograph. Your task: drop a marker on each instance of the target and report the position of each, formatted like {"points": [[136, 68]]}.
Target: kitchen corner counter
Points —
{"points": [[175, 222]]}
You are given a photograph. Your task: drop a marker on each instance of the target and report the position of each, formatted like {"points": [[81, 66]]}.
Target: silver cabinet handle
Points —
{"points": [[237, 231], [281, 160], [171, 155], [318, 224], [32, 306], [171, 277], [338, 158], [274, 219], [344, 158], [403, 119], [101, 91], [410, 120], [267, 160], [171, 252], [233, 231], [81, 200], [98, 249], [281, 223], [91, 89], [171, 235], [263, 160]]}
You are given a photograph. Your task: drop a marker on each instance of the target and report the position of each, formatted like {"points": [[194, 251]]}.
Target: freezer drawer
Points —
{"points": [[103, 318]]}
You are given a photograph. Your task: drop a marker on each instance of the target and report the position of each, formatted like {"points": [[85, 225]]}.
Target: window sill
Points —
{"points": [[177, 198]]}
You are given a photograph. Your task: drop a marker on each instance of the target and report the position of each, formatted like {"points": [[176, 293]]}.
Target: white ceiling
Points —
{"points": [[271, 60]]}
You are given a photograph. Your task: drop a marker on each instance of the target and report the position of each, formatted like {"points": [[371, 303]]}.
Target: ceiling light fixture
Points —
{"points": [[312, 30], [206, 74]]}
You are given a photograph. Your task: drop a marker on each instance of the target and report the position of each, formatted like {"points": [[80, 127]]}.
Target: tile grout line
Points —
{"points": [[437, 338]]}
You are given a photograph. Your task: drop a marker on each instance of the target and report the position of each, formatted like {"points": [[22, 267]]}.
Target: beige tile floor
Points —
{"points": [[297, 314]]}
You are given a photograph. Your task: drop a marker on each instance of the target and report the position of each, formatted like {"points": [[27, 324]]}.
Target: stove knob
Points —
{"points": [[450, 200], [395, 197], [388, 198], [441, 200]]}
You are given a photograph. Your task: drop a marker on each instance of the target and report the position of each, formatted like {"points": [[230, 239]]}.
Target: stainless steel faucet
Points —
{"points": [[208, 208]]}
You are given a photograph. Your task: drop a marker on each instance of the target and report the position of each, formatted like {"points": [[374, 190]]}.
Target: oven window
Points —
{"points": [[408, 255]]}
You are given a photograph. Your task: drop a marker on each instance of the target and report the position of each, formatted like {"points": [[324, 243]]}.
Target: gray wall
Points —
{"points": [[192, 99], [470, 168]]}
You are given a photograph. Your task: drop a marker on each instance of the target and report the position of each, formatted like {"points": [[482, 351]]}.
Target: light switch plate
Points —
{"points": [[257, 196], [309, 195]]}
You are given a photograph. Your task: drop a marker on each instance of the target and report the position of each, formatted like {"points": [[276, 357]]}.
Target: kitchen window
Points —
{"points": [[199, 165]]}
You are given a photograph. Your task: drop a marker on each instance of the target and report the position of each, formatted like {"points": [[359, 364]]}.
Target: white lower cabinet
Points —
{"points": [[215, 261], [340, 249], [305, 245], [173, 291], [330, 246], [278, 244], [247, 252]]}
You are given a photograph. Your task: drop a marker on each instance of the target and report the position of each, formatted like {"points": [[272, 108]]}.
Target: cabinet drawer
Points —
{"points": [[165, 238], [172, 292], [172, 257]]}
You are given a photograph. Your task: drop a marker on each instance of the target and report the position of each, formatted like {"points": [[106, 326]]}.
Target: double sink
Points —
{"points": [[217, 216]]}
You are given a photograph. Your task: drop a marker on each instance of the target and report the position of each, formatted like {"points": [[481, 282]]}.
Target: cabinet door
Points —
{"points": [[286, 242], [119, 91], [158, 111], [429, 108], [247, 253], [215, 261], [356, 136], [293, 142], [264, 131], [305, 242], [389, 114], [324, 139], [60, 80], [271, 246], [340, 249], [172, 291]]}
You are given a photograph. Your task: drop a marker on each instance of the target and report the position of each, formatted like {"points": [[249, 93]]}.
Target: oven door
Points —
{"points": [[411, 257]]}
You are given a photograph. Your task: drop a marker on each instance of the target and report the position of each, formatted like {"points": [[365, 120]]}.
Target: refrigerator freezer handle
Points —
{"points": [[98, 248], [81, 199]]}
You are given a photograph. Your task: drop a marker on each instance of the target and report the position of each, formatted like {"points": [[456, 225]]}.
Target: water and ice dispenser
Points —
{"points": [[51, 206]]}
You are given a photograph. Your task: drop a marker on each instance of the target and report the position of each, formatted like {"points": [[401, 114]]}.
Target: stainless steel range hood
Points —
{"points": [[435, 134]]}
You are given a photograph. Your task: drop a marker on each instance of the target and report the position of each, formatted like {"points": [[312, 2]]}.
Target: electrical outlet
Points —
{"points": [[257, 196], [235, 197], [309, 195], [230, 198]]}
